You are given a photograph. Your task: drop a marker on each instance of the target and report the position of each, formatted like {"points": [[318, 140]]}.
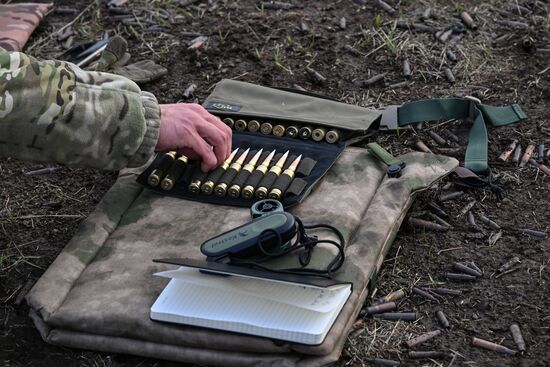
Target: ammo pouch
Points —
{"points": [[244, 101]]}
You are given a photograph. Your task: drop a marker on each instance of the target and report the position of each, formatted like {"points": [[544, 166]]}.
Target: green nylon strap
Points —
{"points": [[459, 108], [384, 155]]}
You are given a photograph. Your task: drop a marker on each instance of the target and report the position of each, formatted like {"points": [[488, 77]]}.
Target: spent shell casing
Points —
{"points": [[444, 35], [447, 291], [533, 233], [278, 130], [424, 224], [383, 362], [467, 270], [382, 307], [318, 134], [426, 354], [424, 294], [472, 220], [517, 154], [414, 342], [507, 265], [474, 266], [253, 126], [426, 14], [387, 7], [240, 125], [372, 80], [401, 316], [467, 19], [305, 132], [291, 131], [316, 76], [518, 337], [422, 147], [174, 173], [451, 196], [158, 173], [485, 344], [527, 155], [503, 157], [438, 139], [449, 74], [439, 220], [332, 136], [229, 122], [393, 296], [460, 277], [266, 128], [488, 222], [406, 68], [443, 321], [467, 208], [342, 23], [544, 169], [451, 56], [437, 209]]}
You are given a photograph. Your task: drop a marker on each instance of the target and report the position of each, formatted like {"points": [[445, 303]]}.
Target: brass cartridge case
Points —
{"points": [[229, 122], [305, 132], [332, 136], [291, 131], [253, 126], [318, 134], [165, 162], [266, 128], [278, 130], [240, 125]]}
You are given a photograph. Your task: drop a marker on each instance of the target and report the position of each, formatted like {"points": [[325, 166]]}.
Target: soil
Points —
{"points": [[39, 214]]}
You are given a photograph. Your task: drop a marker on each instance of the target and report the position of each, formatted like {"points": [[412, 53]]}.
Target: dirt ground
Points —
{"points": [[497, 63]]}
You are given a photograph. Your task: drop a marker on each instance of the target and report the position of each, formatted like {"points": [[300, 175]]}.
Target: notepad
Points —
{"points": [[255, 306]]}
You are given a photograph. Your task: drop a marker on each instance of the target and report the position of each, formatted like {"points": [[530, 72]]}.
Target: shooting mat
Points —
{"points": [[97, 293]]}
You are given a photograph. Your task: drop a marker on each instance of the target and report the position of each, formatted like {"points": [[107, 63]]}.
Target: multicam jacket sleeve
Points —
{"points": [[54, 111]]}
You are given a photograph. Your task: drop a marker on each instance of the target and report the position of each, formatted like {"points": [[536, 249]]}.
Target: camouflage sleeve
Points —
{"points": [[54, 111]]}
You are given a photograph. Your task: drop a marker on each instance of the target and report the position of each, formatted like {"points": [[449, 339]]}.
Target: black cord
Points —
{"points": [[303, 241]]}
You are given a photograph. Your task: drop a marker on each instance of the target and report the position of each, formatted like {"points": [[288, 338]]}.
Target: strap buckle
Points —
{"points": [[474, 102]]}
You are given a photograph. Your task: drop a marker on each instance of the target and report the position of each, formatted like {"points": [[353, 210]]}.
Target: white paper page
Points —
{"points": [[224, 309], [311, 298]]}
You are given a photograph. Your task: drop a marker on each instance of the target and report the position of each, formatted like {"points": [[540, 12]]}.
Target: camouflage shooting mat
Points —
{"points": [[98, 292]]}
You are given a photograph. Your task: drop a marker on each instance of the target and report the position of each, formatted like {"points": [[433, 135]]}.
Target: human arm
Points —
{"points": [[54, 111]]}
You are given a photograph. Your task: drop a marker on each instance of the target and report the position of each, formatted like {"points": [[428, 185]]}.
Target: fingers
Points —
{"points": [[223, 131], [206, 154]]}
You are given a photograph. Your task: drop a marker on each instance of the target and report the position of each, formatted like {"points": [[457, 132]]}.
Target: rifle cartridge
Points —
{"points": [[256, 176], [278, 130], [174, 173], [305, 132], [229, 122], [230, 174], [332, 136], [318, 134], [235, 189], [266, 128], [216, 174], [158, 173], [196, 180], [291, 131], [240, 125], [283, 181], [517, 154], [253, 126], [270, 177]]}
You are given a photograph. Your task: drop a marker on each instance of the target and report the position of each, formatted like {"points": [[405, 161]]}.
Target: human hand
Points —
{"points": [[191, 130]]}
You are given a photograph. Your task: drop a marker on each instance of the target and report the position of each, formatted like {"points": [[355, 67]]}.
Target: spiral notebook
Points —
{"points": [[301, 313]]}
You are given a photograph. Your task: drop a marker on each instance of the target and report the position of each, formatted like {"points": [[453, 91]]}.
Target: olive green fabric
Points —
{"points": [[463, 108], [231, 97], [97, 294]]}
